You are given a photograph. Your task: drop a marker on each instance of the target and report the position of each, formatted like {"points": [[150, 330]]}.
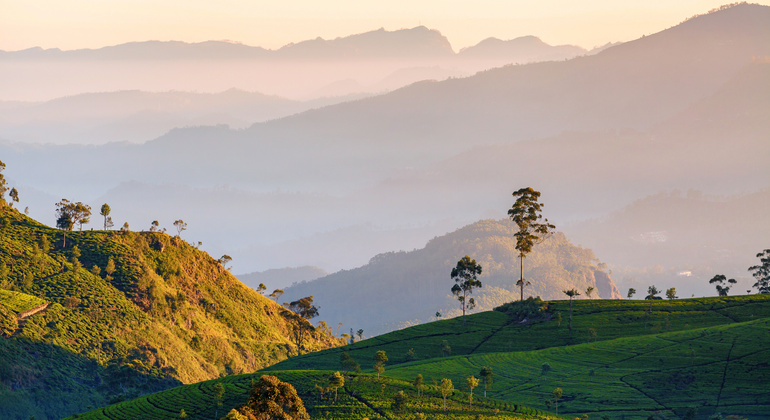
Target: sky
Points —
{"points": [[73, 24]]}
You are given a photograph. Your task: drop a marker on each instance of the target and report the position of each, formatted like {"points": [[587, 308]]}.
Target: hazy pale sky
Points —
{"points": [[71, 24]]}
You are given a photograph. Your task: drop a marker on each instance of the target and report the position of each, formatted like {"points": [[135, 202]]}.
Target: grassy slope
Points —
{"points": [[362, 396], [708, 353], [717, 369], [169, 314], [495, 331]]}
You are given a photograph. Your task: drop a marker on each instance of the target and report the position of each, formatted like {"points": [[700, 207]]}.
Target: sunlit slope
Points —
{"points": [[534, 327], [717, 369], [160, 314], [363, 396]]}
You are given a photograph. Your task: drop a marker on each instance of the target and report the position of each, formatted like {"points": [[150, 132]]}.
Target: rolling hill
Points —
{"points": [[117, 314], [655, 359], [397, 289]]}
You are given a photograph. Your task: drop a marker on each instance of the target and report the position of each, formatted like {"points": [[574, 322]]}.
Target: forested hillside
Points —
{"points": [[397, 289], [122, 314]]}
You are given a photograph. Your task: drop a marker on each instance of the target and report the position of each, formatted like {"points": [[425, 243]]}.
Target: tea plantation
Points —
{"points": [[689, 358]]}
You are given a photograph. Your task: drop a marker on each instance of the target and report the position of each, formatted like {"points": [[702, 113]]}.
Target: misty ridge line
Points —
{"points": [[381, 42]]}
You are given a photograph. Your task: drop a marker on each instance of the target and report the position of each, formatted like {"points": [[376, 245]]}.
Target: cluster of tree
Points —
{"points": [[446, 387], [271, 398], [13, 193], [760, 272]]}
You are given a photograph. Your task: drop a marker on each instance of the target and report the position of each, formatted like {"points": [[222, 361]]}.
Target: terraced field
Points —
{"points": [[363, 396], [717, 369], [664, 359]]}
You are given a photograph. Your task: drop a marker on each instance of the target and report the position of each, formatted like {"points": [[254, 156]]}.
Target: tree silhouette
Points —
{"points": [[525, 212], [761, 272], [465, 276], [14, 194], [631, 292], [671, 293], [3, 187], [571, 293], [305, 309], [720, 279]]}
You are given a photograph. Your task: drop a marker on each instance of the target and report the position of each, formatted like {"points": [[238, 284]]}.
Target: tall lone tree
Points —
{"points": [[526, 213], [105, 212], [465, 275], [720, 279], [305, 309], [180, 226], [571, 293], [761, 272]]}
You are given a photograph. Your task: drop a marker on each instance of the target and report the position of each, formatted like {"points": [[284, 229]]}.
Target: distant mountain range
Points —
{"points": [[684, 109], [136, 116], [419, 42], [305, 70]]}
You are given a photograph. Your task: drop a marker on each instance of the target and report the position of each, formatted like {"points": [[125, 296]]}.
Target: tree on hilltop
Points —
{"points": [[761, 272], [465, 275], [180, 226], [3, 187], [720, 279], [571, 293], [526, 213], [631, 292], [671, 293], [105, 212], [14, 194]]}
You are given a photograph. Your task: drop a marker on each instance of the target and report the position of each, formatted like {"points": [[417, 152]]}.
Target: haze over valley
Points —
{"points": [[279, 210], [345, 182]]}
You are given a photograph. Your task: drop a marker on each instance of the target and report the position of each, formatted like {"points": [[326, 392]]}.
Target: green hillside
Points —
{"points": [[363, 396], [399, 289], [127, 313], [705, 354], [496, 331]]}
